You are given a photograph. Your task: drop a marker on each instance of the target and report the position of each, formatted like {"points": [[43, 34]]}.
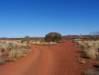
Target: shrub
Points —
{"points": [[26, 39], [90, 53], [2, 61], [53, 37], [91, 72]]}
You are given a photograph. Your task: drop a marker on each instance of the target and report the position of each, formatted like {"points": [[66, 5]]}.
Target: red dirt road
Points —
{"points": [[60, 59]]}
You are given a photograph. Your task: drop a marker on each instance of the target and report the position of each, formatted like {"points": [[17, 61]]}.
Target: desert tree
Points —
{"points": [[53, 37]]}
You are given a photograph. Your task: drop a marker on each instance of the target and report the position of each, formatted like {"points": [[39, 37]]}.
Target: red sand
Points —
{"points": [[60, 59]]}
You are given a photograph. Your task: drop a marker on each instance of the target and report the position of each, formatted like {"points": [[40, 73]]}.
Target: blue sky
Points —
{"points": [[38, 17]]}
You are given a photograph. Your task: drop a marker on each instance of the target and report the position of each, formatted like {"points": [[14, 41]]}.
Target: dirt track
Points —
{"points": [[58, 59]]}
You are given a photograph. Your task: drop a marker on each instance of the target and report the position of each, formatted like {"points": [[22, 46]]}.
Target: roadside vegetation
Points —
{"points": [[89, 51], [12, 50]]}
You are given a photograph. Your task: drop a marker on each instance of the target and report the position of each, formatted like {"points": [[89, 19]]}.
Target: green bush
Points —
{"points": [[53, 37]]}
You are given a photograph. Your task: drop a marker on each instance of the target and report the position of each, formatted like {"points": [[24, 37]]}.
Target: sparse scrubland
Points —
{"points": [[12, 50], [89, 50], [51, 55]]}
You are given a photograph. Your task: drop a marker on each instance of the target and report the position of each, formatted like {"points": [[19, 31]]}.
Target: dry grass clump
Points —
{"points": [[91, 72], [11, 50], [43, 43], [89, 49]]}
